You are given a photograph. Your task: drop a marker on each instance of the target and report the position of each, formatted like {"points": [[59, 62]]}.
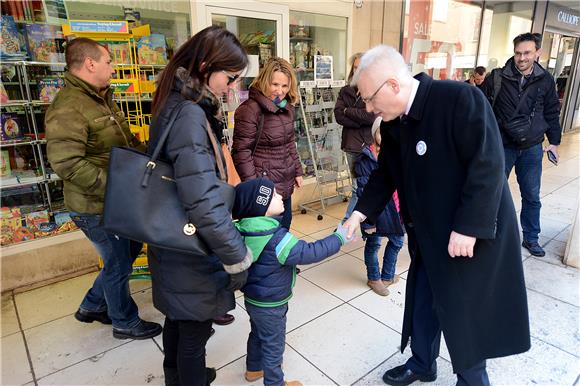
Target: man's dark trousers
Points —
{"points": [[426, 332]]}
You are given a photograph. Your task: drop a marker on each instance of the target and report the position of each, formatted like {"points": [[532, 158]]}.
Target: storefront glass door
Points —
{"points": [[558, 58]]}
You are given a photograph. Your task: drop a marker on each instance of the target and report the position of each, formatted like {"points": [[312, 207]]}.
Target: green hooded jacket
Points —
{"points": [[81, 128]]}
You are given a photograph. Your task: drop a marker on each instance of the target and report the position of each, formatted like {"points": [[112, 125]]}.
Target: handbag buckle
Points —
{"points": [[151, 164], [189, 229]]}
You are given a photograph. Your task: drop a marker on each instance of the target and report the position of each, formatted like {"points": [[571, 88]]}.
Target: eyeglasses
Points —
{"points": [[370, 99], [231, 78]]}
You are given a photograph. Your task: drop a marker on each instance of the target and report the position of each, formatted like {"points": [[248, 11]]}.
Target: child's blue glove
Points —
{"points": [[341, 232]]}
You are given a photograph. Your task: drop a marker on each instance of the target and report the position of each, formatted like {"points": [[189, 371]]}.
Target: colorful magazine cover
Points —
{"points": [[49, 87], [152, 49], [41, 42], [12, 128], [5, 170], [10, 44]]}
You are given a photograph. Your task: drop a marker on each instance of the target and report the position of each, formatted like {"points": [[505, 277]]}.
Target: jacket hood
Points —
{"points": [[256, 232], [510, 70], [265, 102]]}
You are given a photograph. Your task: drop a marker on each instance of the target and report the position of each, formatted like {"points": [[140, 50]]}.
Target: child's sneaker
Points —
{"points": [[292, 383], [391, 282], [378, 287], [252, 376]]}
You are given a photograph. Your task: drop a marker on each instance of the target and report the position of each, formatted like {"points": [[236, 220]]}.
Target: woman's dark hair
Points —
{"points": [[217, 48]]}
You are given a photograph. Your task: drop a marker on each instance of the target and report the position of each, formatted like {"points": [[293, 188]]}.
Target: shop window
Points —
{"points": [[440, 37], [168, 18], [502, 22], [314, 35]]}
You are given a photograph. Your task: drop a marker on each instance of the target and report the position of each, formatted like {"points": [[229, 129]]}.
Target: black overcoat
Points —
{"points": [[457, 184]]}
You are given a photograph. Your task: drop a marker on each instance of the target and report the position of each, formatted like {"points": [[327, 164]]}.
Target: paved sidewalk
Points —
{"points": [[339, 332]]}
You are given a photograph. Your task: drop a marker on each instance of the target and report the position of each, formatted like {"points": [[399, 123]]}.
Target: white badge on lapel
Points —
{"points": [[421, 148]]}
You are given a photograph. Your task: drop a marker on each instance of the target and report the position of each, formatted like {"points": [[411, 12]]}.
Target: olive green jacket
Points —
{"points": [[81, 128]]}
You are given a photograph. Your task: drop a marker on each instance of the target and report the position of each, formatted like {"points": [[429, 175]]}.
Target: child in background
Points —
{"points": [[388, 224], [272, 274]]}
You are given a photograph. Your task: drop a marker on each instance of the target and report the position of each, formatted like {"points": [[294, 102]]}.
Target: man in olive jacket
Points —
{"points": [[82, 125], [441, 150]]}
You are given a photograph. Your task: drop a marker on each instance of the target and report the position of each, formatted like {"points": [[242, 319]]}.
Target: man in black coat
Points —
{"points": [[526, 106], [441, 150]]}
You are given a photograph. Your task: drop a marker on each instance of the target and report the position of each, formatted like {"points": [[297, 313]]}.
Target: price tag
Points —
{"points": [[307, 83], [323, 83], [338, 83]]}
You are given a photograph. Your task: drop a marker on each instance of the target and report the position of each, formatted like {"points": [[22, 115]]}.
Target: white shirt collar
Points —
{"points": [[414, 88]]}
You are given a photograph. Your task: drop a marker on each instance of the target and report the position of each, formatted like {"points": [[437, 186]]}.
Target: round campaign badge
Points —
{"points": [[421, 148]]}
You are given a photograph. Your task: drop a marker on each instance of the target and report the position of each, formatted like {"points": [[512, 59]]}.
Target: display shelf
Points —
{"points": [[15, 182]]}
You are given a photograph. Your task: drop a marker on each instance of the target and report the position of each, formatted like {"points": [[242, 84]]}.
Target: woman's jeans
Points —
{"points": [[184, 347], [372, 246], [110, 291], [286, 218]]}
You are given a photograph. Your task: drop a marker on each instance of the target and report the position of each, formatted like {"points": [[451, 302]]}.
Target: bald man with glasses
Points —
{"points": [[441, 150]]}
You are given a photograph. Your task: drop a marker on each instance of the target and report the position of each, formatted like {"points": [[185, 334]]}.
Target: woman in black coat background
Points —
{"points": [[191, 290]]}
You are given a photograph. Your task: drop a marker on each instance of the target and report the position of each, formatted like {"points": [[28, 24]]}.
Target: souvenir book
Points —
{"points": [[12, 129], [49, 87]]}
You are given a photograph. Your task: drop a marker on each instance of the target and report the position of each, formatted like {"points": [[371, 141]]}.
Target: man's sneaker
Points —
{"points": [[90, 316], [378, 287], [252, 376], [144, 330], [534, 248]]}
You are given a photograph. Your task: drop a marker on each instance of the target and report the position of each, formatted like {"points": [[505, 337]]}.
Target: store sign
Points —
{"points": [[99, 26], [563, 18]]}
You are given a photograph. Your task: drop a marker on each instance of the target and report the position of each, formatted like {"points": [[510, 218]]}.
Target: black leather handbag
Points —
{"points": [[141, 201]]}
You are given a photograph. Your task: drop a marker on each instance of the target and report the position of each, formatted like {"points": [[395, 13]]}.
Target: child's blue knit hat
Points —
{"points": [[252, 198]]}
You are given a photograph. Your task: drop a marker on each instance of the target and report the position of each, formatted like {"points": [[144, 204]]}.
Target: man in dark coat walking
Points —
{"points": [[442, 152]]}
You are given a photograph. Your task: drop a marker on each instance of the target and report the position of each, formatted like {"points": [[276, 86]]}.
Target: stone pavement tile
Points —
{"points": [[344, 277], [353, 246], [554, 252], [445, 374], [9, 319], [15, 365], [295, 367], [386, 309], [135, 363], [554, 322], [557, 207], [147, 311], [337, 210], [564, 236], [229, 342], [308, 302], [52, 301], [558, 282], [137, 285], [552, 227], [344, 344], [403, 259], [66, 341], [543, 364], [307, 223], [570, 190], [567, 168]]}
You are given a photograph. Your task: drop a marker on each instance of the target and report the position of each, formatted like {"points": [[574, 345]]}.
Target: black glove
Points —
{"points": [[237, 281]]}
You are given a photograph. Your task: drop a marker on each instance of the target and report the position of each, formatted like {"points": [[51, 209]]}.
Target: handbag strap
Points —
{"points": [[216, 149], [153, 159], [260, 128], [174, 113]]}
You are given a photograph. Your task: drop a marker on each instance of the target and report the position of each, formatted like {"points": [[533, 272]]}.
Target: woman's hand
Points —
{"points": [[298, 181]]}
